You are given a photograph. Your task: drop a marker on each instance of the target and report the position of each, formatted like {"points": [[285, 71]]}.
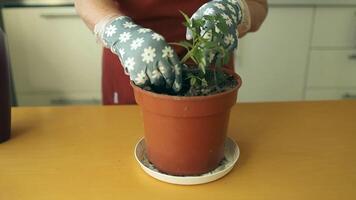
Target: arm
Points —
{"points": [[258, 12], [92, 11]]}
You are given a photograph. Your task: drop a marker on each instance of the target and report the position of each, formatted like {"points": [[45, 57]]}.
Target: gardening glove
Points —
{"points": [[144, 54], [236, 15]]}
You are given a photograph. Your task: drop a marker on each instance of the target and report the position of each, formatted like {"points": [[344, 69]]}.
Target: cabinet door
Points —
{"points": [[54, 55], [332, 69], [335, 27], [273, 61]]}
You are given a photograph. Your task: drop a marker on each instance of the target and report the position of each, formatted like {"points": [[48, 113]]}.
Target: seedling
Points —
{"points": [[205, 50]]}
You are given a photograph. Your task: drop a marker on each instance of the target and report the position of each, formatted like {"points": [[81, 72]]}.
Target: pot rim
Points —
{"points": [[191, 98]]}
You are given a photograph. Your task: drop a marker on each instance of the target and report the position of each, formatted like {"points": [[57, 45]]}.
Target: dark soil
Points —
{"points": [[217, 82], [224, 83]]}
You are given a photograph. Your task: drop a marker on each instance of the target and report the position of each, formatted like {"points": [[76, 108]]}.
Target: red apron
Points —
{"points": [[163, 17]]}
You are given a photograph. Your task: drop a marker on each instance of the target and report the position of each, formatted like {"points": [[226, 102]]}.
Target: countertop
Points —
{"points": [[289, 151], [24, 3]]}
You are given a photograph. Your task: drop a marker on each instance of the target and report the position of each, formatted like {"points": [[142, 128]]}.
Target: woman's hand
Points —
{"points": [[236, 16], [145, 55]]}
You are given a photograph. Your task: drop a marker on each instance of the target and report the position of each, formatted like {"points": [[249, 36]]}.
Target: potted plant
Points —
{"points": [[185, 131]]}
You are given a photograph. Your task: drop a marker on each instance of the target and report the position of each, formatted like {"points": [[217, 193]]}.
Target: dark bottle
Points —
{"points": [[5, 107]]}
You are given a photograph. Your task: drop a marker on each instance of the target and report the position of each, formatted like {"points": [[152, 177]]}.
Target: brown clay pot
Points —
{"points": [[185, 135]]}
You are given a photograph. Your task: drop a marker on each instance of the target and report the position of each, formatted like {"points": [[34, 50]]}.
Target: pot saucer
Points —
{"points": [[232, 153]]}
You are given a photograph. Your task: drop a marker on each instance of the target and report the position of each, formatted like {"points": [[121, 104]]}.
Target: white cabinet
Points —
{"points": [[335, 27], [332, 66], [332, 69], [273, 61], [300, 53], [54, 57]]}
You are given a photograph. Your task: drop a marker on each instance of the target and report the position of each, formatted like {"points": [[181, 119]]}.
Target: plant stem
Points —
{"points": [[187, 55], [216, 81]]}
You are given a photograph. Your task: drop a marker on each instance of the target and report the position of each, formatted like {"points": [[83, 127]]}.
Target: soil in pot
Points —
{"points": [[217, 82]]}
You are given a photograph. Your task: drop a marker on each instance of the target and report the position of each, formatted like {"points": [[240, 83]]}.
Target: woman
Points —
{"points": [[136, 34]]}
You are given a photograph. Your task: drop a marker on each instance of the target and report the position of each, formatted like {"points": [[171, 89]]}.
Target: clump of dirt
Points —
{"points": [[217, 82]]}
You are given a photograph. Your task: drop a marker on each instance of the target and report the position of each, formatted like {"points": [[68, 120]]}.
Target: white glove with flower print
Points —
{"points": [[236, 15], [144, 54]]}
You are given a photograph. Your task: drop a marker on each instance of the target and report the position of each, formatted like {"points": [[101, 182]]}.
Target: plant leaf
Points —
{"points": [[209, 44], [204, 82], [193, 81], [187, 19], [186, 44]]}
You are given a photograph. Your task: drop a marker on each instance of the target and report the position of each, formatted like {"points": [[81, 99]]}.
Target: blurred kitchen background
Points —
{"points": [[306, 50]]}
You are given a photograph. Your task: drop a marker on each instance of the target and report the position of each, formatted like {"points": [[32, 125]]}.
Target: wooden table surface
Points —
{"points": [[289, 151]]}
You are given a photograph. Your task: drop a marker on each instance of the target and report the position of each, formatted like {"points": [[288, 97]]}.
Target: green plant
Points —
{"points": [[205, 50]]}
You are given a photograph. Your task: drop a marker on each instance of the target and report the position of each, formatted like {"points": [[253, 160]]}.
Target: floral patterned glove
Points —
{"points": [[144, 54], [234, 12]]}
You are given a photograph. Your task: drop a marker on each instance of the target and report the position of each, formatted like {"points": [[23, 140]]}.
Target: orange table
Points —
{"points": [[288, 151]]}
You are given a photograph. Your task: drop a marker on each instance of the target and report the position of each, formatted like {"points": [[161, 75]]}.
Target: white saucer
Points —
{"points": [[232, 153]]}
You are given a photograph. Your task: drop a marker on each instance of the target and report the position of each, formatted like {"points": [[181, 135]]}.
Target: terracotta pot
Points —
{"points": [[185, 135]]}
